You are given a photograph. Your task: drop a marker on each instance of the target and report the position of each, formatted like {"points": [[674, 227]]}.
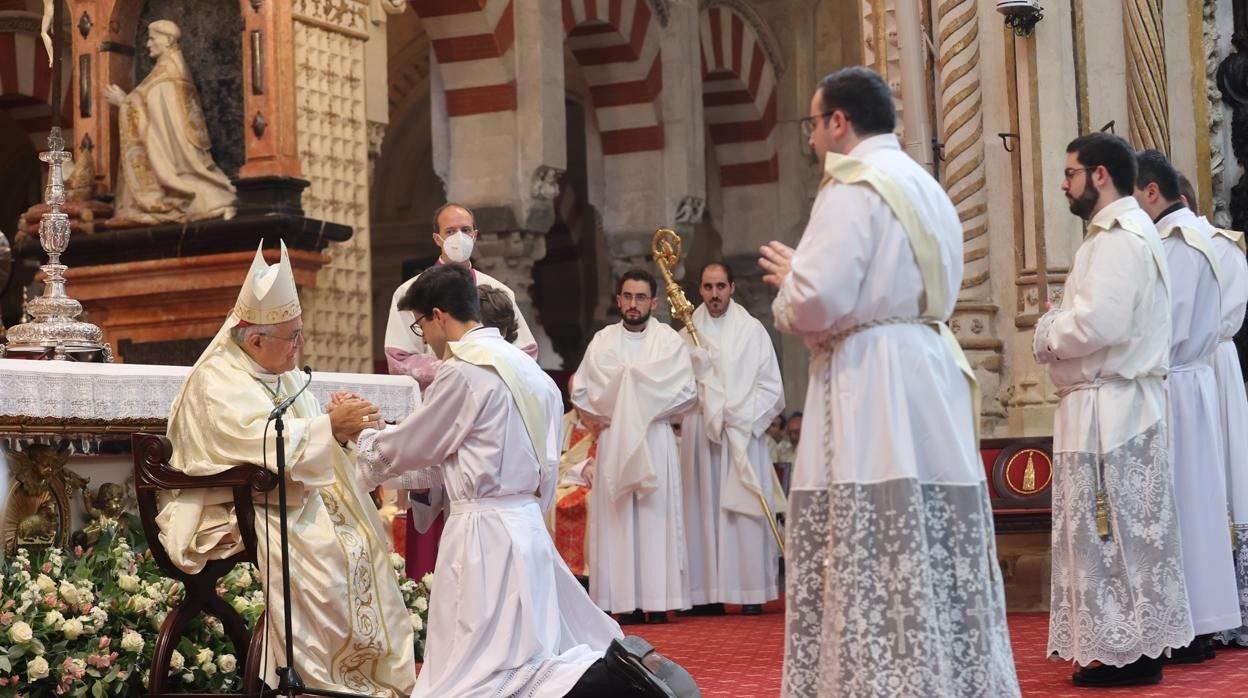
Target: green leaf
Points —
{"points": [[97, 689], [5, 665]]}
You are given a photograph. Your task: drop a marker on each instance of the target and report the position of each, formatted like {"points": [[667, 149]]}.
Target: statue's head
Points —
{"points": [[162, 35], [111, 498]]}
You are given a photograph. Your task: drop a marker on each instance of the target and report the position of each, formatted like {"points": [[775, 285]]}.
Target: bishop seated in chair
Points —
{"points": [[351, 629]]}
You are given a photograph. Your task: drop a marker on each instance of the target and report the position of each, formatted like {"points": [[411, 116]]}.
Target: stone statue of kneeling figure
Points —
{"points": [[166, 172]]}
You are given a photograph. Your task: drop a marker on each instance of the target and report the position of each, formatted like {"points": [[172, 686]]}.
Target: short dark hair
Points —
{"points": [[1189, 192], [727, 271], [498, 312], [451, 204], [1152, 167], [1099, 149], [636, 275], [863, 96], [447, 287]]}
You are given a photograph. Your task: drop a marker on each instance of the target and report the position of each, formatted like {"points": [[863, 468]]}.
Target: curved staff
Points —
{"points": [[666, 249]]}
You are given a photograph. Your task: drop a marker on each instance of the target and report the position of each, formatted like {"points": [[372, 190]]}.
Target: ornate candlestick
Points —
{"points": [[54, 328]]}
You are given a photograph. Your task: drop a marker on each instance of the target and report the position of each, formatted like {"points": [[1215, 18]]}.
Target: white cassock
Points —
{"points": [[351, 629], [1107, 349], [1233, 402], [506, 616], [409, 355], [1194, 415], [892, 583], [725, 462], [636, 383]]}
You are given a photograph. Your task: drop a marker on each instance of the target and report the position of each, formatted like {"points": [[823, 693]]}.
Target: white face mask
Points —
{"points": [[457, 247]]}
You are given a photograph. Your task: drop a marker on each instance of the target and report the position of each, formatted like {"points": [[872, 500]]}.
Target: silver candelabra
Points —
{"points": [[54, 330]]}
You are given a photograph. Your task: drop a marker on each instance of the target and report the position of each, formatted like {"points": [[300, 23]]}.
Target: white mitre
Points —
{"points": [[268, 296]]}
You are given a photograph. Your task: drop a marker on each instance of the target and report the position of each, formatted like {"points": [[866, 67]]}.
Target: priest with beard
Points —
{"points": [[728, 472], [635, 379]]}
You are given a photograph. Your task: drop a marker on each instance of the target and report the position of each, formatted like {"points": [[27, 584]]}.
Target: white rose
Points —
{"points": [[240, 604], [417, 623], [427, 580], [69, 592], [128, 582], [209, 669], [244, 579], [421, 604], [21, 632], [131, 641], [37, 669], [45, 584], [204, 657], [396, 561], [177, 661], [53, 619], [227, 663], [72, 629]]}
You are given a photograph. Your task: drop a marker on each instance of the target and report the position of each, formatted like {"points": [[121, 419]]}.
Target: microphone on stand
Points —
{"points": [[285, 404]]}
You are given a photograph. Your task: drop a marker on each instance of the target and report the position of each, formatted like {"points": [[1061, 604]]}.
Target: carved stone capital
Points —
{"points": [[545, 183], [690, 210], [509, 257]]}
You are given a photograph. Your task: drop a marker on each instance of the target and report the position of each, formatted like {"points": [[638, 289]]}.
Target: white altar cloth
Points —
{"points": [[112, 392]]}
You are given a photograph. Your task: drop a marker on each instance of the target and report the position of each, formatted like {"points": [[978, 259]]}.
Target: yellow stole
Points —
{"points": [[1194, 239], [530, 406], [926, 248]]}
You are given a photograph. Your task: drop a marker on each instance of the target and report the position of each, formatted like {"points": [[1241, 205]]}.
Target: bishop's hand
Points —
{"points": [[349, 417]]}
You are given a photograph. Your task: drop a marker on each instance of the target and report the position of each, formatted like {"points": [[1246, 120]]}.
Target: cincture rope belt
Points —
{"points": [[829, 343], [510, 501]]}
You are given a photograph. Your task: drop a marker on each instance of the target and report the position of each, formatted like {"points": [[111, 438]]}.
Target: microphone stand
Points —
{"points": [[289, 682]]}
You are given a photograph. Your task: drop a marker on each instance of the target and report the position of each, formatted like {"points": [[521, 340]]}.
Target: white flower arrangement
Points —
{"points": [[84, 624]]}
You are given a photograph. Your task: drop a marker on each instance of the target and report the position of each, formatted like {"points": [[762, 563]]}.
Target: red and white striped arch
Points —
{"points": [[616, 43], [738, 99], [473, 40], [26, 86]]}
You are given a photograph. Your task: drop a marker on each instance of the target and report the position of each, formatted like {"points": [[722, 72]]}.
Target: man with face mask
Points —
{"points": [[723, 453], [1119, 596], [455, 233], [636, 377]]}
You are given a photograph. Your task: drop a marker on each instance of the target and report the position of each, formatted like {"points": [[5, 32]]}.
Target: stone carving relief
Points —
{"points": [[334, 153], [545, 183], [690, 210], [1218, 125]]}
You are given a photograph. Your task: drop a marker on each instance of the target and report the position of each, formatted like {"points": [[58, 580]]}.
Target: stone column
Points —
{"points": [[963, 174], [1146, 69]]}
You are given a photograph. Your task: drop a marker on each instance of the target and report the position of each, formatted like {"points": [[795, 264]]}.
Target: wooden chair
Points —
{"points": [[152, 474]]}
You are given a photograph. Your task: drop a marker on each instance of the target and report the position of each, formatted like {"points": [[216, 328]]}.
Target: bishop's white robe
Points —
{"points": [[636, 383], [408, 354], [352, 631], [892, 585], [506, 617], [1194, 415], [733, 556], [1107, 349], [1233, 403]]}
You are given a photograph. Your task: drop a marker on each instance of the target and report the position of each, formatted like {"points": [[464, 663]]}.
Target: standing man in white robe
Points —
{"points": [[1193, 414], [636, 378], [455, 233], [891, 569], [1118, 592], [506, 617], [1229, 246], [351, 629], [733, 556]]}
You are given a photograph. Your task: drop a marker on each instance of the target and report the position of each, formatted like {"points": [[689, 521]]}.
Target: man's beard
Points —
{"points": [[645, 317], [1083, 204]]}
